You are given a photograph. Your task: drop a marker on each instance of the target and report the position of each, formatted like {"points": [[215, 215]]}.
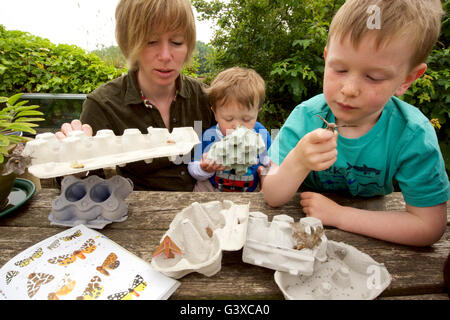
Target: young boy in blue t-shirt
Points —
{"points": [[375, 51], [236, 96]]}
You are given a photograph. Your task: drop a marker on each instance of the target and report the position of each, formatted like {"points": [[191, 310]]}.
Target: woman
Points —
{"points": [[157, 37]]}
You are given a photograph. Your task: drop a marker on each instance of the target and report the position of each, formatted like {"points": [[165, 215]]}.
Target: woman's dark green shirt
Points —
{"points": [[118, 105]]}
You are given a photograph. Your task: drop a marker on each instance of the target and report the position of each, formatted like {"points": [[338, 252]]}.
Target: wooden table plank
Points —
{"points": [[415, 271], [143, 204]]}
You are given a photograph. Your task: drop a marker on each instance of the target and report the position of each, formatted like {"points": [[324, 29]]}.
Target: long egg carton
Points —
{"points": [[53, 157]]}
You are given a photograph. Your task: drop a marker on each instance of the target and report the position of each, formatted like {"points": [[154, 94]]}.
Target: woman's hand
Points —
{"points": [[73, 126]]}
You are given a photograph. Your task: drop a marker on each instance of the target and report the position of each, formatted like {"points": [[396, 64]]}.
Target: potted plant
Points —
{"points": [[15, 118]]}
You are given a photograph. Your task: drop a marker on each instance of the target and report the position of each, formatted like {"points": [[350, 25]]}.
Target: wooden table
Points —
{"points": [[416, 272]]}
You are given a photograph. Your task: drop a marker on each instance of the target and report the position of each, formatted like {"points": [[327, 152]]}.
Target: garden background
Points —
{"points": [[282, 40]]}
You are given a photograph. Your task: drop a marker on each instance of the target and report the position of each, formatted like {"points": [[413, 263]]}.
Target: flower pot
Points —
{"points": [[6, 184]]}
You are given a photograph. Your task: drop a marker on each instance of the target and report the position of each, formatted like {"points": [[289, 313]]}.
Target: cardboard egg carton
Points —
{"points": [[94, 202], [347, 274], [283, 244], [198, 235], [238, 150], [53, 157]]}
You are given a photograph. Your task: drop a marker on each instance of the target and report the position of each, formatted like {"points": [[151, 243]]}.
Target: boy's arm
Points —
{"points": [[416, 226], [315, 151], [282, 182]]}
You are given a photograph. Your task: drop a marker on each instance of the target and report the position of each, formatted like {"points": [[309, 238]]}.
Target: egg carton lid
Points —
{"points": [[346, 274], [178, 143]]}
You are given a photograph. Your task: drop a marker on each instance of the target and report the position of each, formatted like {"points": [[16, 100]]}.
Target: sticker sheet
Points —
{"points": [[81, 264]]}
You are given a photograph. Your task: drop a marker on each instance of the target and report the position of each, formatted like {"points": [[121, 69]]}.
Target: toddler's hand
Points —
{"points": [[208, 165], [317, 150]]}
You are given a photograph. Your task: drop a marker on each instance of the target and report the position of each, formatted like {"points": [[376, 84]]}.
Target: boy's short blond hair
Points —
{"points": [[138, 20], [419, 20], [244, 85]]}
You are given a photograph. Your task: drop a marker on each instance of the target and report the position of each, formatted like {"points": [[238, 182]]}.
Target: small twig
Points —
{"points": [[333, 126]]}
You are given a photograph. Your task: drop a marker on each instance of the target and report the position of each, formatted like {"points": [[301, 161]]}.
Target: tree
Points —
{"points": [[203, 53]]}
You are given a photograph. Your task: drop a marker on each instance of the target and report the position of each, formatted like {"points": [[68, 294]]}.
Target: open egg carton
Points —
{"points": [[283, 244], [93, 202], [346, 274], [197, 236], [238, 150], [53, 157]]}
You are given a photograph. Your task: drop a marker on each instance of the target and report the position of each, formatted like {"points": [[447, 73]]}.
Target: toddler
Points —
{"points": [[236, 96]]}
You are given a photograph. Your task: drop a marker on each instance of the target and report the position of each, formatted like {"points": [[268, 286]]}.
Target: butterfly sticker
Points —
{"points": [[72, 236], [138, 285], [88, 247], [23, 263], [65, 288], [110, 263], [55, 244], [93, 290], [36, 280], [168, 247], [10, 275]]}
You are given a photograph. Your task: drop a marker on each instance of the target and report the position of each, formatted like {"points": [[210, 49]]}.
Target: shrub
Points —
{"points": [[32, 64]]}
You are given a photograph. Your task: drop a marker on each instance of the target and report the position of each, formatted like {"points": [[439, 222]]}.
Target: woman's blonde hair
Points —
{"points": [[419, 20], [138, 20], [245, 86]]}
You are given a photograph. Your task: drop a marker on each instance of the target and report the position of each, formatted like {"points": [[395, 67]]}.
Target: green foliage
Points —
{"points": [[203, 52], [32, 64], [112, 56], [15, 116], [191, 68]]}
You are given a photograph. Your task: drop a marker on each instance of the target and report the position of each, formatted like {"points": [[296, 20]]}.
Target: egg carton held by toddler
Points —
{"points": [[283, 244], [53, 157], [238, 150], [198, 235]]}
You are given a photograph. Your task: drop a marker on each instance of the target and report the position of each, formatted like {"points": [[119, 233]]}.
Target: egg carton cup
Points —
{"points": [[238, 150], [53, 157], [347, 274], [202, 232], [274, 245], [94, 202]]}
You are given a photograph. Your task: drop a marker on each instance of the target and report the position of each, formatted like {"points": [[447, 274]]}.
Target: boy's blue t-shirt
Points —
{"points": [[227, 180], [402, 147]]}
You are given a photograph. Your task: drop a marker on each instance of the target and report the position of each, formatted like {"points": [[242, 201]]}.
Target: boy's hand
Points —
{"points": [[208, 165], [320, 207], [317, 151]]}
